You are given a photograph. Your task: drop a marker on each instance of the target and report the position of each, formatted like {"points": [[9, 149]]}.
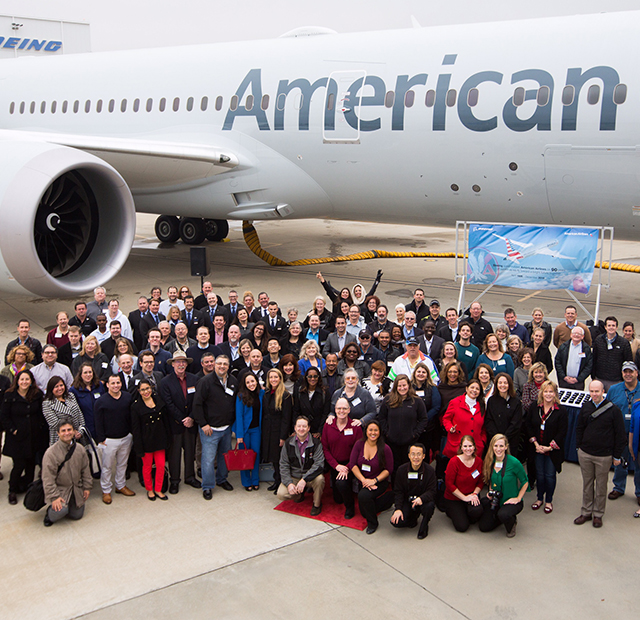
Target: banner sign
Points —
{"points": [[532, 257]]}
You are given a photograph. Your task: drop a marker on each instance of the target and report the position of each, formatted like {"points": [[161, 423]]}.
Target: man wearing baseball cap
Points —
{"points": [[405, 364], [623, 395]]}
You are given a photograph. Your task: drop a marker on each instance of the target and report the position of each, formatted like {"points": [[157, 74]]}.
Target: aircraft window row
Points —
{"points": [[543, 96]]}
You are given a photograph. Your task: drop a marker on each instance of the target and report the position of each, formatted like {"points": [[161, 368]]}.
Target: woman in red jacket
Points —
{"points": [[465, 416]]}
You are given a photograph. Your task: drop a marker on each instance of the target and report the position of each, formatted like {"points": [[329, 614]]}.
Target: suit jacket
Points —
{"points": [[65, 355], [134, 320], [231, 314], [225, 349], [256, 315], [279, 330], [197, 319], [200, 302], [562, 356], [436, 346], [147, 323], [446, 334], [133, 387], [208, 321], [332, 346], [124, 383], [172, 346], [178, 406]]}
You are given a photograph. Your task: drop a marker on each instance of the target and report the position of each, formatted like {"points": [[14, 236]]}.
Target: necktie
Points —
{"points": [[155, 318], [273, 323], [189, 318]]}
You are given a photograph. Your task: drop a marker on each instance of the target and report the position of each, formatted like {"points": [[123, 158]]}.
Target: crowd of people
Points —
{"points": [[409, 408]]}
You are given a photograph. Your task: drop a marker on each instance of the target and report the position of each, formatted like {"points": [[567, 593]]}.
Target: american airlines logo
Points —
{"points": [[18, 43]]}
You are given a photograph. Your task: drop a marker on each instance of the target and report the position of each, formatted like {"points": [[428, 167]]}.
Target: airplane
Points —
{"points": [[528, 249], [531, 121]]}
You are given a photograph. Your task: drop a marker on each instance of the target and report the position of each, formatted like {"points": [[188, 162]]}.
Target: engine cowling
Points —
{"points": [[67, 219]]}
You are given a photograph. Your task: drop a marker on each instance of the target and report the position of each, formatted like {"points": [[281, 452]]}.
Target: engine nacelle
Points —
{"points": [[67, 219]]}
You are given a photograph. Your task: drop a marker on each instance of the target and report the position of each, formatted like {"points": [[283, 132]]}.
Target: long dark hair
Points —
{"points": [[32, 393], [248, 397], [78, 383], [263, 339], [304, 387], [380, 444], [48, 395]]}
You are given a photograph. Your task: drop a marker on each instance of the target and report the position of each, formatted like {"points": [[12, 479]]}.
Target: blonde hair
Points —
{"points": [[280, 390], [490, 459], [90, 339]]}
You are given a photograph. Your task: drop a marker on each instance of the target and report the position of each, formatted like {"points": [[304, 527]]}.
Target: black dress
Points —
{"points": [[276, 426]]}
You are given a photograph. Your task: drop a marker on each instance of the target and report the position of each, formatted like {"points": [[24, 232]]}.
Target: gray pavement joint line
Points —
{"points": [[397, 570], [208, 572]]}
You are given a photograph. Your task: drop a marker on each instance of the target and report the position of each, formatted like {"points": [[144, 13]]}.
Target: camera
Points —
{"points": [[495, 497]]}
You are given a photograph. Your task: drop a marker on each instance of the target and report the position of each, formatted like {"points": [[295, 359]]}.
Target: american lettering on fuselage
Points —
{"points": [[440, 99]]}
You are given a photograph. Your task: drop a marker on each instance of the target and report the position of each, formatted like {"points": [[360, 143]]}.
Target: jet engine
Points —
{"points": [[67, 219]]}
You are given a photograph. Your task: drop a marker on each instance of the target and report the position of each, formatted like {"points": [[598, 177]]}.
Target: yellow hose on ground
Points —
{"points": [[251, 238]]}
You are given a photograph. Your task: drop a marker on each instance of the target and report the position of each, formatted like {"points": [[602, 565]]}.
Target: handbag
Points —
{"points": [[240, 460], [95, 457], [34, 498]]}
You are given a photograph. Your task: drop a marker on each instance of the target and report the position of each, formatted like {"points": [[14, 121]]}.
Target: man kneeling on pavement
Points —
{"points": [[302, 464], [415, 492], [66, 476]]}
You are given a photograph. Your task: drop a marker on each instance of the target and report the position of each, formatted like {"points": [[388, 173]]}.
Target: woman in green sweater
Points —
{"points": [[507, 483]]}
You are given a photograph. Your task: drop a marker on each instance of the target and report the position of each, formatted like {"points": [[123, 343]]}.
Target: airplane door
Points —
{"points": [[603, 181], [343, 101]]}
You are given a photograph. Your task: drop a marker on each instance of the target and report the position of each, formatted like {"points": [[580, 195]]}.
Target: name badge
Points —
{"points": [[355, 402], [542, 426], [104, 364], [97, 395], [499, 464], [366, 467], [228, 391], [191, 390], [413, 475], [348, 431], [468, 353], [389, 364], [582, 355], [419, 392], [137, 381], [475, 473], [361, 358], [501, 363], [60, 336]]}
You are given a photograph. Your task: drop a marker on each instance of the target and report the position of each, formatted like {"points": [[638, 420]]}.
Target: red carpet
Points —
{"points": [[331, 512]]}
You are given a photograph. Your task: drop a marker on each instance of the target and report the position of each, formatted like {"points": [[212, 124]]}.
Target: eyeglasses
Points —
{"points": [[147, 389]]}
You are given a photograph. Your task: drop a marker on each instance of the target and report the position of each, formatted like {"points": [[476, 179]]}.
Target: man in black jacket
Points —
{"points": [[418, 306], [415, 492], [178, 390], [610, 351], [600, 435], [214, 409]]}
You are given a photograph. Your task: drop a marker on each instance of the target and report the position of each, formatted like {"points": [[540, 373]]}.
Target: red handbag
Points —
{"points": [[240, 460]]}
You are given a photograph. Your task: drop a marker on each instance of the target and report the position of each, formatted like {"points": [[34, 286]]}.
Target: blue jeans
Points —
{"points": [[620, 474], [251, 439], [213, 448], [546, 477]]}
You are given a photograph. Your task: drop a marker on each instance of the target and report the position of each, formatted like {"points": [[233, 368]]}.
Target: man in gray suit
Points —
{"points": [[338, 339]]}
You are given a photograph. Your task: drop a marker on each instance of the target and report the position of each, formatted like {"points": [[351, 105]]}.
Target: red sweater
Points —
{"points": [[459, 415], [459, 476]]}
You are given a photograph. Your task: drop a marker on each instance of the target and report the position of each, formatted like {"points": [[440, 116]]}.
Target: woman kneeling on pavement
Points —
{"points": [[372, 463], [463, 483], [506, 479]]}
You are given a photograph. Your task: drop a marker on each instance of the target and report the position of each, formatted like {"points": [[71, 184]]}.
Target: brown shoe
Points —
{"points": [[615, 494], [582, 519], [126, 491], [106, 498], [597, 521]]}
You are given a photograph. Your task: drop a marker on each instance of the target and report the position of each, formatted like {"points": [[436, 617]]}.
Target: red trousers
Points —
{"points": [[147, 462]]}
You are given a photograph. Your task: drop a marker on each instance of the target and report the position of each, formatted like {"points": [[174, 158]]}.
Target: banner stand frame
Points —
{"points": [[460, 265]]}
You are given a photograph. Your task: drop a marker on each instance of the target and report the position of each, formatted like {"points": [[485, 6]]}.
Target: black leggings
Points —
{"points": [[462, 514], [506, 515]]}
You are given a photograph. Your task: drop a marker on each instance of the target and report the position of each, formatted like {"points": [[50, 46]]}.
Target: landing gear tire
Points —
{"points": [[192, 230], [168, 228], [217, 230]]}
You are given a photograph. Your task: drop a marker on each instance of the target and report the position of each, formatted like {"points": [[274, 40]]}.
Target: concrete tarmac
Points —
{"points": [[236, 557]]}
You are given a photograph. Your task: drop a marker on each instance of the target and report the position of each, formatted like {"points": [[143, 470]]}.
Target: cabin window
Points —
{"points": [[248, 104], [163, 104], [233, 105], [518, 96], [204, 103], [542, 97], [219, 103], [76, 106], [430, 98], [136, 105], [472, 97], [409, 99], [112, 105], [149, 104], [65, 107], [99, 106], [87, 106], [176, 104], [568, 93], [620, 94], [123, 105], [264, 103], [189, 104], [452, 95], [389, 98]]}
